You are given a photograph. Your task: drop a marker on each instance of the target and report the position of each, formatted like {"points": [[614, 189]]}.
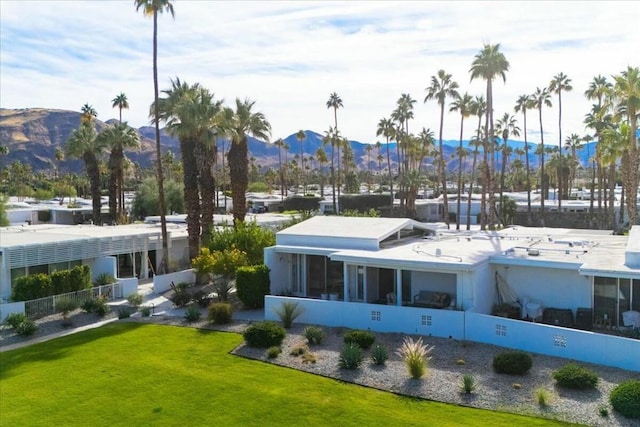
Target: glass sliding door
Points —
{"points": [[605, 301]]}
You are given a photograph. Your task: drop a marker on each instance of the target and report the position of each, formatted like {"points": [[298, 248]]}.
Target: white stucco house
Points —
{"points": [[125, 251], [577, 289]]}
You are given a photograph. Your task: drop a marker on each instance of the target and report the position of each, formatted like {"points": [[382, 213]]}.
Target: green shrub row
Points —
{"points": [[252, 284], [41, 285], [363, 339], [512, 362], [264, 334]]}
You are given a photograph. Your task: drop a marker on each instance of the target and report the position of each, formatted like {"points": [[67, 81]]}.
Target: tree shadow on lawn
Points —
{"points": [[58, 348]]}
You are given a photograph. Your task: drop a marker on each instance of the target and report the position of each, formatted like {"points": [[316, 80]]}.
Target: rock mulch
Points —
{"points": [[442, 383]]}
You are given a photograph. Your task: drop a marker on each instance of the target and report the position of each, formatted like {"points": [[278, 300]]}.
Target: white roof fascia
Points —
{"points": [[304, 250], [623, 273], [400, 264], [537, 263]]}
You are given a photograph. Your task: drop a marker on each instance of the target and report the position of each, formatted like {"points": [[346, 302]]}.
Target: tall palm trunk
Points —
{"points": [[443, 175], [191, 194], [491, 171], [561, 171], [460, 174], [164, 264], [333, 176], [542, 175], [526, 157], [206, 157], [93, 172], [390, 175], [473, 171], [239, 172]]}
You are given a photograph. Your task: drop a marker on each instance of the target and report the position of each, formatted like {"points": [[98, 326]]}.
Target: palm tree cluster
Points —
{"points": [[87, 144]]}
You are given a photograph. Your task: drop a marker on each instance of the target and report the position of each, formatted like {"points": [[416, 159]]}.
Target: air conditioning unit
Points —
{"points": [[533, 252]]}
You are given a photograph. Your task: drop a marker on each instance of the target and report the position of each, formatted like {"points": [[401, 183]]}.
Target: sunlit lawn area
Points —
{"points": [[132, 374]]}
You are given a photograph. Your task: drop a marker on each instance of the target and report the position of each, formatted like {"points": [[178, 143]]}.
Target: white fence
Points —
{"points": [[162, 283], [550, 340], [45, 306]]}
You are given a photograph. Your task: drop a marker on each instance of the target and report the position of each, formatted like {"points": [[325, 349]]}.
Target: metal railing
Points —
{"points": [[45, 306]]}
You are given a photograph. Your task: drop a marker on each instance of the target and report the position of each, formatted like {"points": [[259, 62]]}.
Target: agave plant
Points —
{"points": [[288, 312]]}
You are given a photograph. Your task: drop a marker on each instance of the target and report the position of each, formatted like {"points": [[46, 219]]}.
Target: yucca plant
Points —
{"points": [[288, 312], [468, 384], [415, 355]]}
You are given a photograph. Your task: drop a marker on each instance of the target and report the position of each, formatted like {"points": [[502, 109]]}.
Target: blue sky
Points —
{"points": [[289, 56]]}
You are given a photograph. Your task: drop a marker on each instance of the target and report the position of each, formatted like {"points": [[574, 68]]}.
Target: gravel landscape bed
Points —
{"points": [[441, 383]]}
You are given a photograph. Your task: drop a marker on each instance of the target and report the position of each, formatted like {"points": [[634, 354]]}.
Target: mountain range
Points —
{"points": [[32, 136]]}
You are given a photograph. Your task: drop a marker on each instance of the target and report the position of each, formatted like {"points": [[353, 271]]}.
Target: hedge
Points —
{"points": [[40, 285], [252, 284], [364, 202]]}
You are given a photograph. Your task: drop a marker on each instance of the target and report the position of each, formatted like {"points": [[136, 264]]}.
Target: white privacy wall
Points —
{"points": [[551, 287]]}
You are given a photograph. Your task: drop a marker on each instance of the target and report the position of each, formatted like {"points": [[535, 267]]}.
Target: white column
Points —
{"points": [[345, 285], [398, 286]]}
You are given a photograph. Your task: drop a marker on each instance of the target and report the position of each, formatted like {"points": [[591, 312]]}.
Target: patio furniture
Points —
{"points": [[532, 310], [431, 299], [631, 318], [584, 319], [558, 317], [391, 298]]}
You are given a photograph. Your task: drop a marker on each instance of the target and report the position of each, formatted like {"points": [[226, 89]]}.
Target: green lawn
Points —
{"points": [[135, 375]]}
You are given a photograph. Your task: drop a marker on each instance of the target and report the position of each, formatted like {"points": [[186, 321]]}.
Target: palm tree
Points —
{"points": [[597, 119], [572, 143], [192, 115], [441, 88], [118, 138], [478, 108], [121, 102], [83, 144], [368, 148], [489, 64], [542, 98], [300, 136], [401, 115], [88, 114], [523, 103], [321, 157], [506, 126], [239, 124], [560, 83], [462, 104], [385, 128], [331, 138], [335, 102], [280, 143], [152, 8], [627, 91]]}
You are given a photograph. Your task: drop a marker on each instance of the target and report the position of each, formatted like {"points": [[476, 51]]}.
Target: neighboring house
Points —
{"points": [[399, 275], [124, 251]]}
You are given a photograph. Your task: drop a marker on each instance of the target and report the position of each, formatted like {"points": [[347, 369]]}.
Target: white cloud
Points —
{"points": [[288, 56]]}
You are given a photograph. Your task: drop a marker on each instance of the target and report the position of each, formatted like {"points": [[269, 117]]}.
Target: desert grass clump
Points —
{"points": [[543, 397], [314, 335], [135, 299], [603, 411], [516, 386], [379, 355], [309, 357], [298, 350], [416, 356], [288, 312], [273, 352], [468, 384], [65, 306], [460, 362]]}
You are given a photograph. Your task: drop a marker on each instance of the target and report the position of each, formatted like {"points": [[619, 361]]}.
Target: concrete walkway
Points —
{"points": [[160, 306]]}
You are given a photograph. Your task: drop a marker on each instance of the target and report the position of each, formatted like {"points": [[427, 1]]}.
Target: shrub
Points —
{"points": [[65, 306], [415, 355], [26, 328], [460, 362], [145, 311], [100, 306], [603, 411], [220, 313], [264, 334], [363, 339], [201, 298], [135, 299], [351, 356], [379, 355], [124, 313], [468, 384], [30, 287], [273, 352], [575, 376], [314, 335], [625, 399], [252, 284], [183, 286], [181, 299], [104, 279], [517, 386], [298, 350], [192, 314], [288, 312], [543, 397], [14, 319], [512, 362], [309, 357]]}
